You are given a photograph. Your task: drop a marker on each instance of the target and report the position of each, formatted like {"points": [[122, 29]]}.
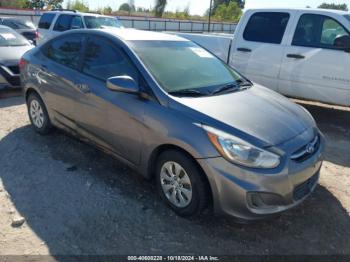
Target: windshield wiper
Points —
{"points": [[187, 92], [225, 88]]}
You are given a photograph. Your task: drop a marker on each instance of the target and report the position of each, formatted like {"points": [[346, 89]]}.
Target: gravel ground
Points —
{"points": [[77, 200]]}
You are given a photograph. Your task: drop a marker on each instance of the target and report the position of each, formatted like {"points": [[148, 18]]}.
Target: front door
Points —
{"points": [[313, 66], [112, 119]]}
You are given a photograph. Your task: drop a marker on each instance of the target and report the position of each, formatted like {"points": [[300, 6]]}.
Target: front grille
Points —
{"points": [[307, 151], [305, 188], [14, 69]]}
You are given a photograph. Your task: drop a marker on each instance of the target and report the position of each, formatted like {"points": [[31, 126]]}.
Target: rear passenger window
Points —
{"points": [[65, 51], [103, 60], [266, 27], [45, 21], [67, 22]]}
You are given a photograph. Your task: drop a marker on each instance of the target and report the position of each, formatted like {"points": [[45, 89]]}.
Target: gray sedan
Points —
{"points": [[12, 48], [176, 113]]}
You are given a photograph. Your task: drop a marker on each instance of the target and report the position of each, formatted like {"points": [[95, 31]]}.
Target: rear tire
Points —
{"points": [[38, 115], [181, 183]]}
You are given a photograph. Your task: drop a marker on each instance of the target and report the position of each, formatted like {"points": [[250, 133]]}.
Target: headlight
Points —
{"points": [[239, 151]]}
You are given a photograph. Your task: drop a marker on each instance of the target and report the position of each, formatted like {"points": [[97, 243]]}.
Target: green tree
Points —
{"points": [[44, 4], [14, 3], [160, 7], [78, 5], [125, 7], [217, 3], [343, 7], [228, 12], [107, 10]]}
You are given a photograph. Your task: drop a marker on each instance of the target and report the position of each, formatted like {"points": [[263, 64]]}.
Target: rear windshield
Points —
{"points": [[46, 20], [18, 24], [180, 65], [101, 22], [9, 37]]}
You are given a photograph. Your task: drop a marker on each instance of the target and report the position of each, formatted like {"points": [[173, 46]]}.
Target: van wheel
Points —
{"points": [[181, 183], [38, 114]]}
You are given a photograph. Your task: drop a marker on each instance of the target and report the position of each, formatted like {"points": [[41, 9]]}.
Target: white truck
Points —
{"points": [[303, 53]]}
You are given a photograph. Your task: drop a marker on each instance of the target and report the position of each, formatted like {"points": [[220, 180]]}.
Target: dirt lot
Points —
{"points": [[76, 200]]}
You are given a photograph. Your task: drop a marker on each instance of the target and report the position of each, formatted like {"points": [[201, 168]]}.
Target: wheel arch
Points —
{"points": [[152, 162]]}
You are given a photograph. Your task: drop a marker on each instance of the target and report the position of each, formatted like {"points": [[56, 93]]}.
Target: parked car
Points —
{"points": [[25, 28], [55, 22], [173, 111], [301, 53], [12, 47]]}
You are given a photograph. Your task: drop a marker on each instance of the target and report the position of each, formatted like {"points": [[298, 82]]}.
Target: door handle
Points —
{"points": [[295, 56], [246, 50], [83, 88]]}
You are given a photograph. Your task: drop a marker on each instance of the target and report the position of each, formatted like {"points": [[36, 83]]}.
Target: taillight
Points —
{"points": [[36, 34], [22, 64]]}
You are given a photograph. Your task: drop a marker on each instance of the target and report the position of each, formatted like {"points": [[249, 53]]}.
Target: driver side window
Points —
{"points": [[318, 31]]}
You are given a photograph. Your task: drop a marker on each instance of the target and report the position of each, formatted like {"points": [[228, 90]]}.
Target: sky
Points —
{"points": [[198, 7]]}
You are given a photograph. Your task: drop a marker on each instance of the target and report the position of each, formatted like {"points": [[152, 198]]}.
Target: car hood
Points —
{"points": [[258, 112], [12, 54]]}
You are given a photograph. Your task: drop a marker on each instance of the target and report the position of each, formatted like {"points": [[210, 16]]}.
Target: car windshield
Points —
{"points": [[9, 37], [101, 21], [18, 24], [347, 17], [184, 66]]}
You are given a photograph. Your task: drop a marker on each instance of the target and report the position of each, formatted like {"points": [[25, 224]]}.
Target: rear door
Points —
{"points": [[259, 46], [58, 75], [313, 66]]}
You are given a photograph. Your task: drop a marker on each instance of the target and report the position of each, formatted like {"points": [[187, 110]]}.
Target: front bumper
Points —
{"points": [[255, 194]]}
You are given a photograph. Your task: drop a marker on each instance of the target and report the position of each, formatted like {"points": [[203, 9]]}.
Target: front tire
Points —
{"points": [[38, 114], [181, 183]]}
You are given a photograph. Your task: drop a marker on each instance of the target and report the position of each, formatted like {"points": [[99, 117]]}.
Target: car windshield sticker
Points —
{"points": [[201, 52], [8, 36]]}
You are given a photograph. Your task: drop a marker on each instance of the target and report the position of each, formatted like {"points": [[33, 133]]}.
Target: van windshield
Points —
{"points": [[183, 65], [101, 21]]}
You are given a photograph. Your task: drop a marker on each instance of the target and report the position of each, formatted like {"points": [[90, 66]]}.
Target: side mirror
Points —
{"points": [[343, 42], [124, 84]]}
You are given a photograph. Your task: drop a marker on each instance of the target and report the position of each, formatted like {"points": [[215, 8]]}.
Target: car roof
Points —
{"points": [[313, 10], [72, 12], [129, 34]]}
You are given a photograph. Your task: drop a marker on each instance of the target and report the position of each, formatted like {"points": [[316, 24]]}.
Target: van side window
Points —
{"points": [[266, 27], [67, 22], [318, 31], [46, 20], [65, 51], [103, 60]]}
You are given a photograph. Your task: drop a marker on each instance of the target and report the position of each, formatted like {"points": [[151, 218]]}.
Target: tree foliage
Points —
{"points": [[343, 7], [160, 7], [217, 3], [44, 4], [78, 5], [230, 12], [125, 7]]}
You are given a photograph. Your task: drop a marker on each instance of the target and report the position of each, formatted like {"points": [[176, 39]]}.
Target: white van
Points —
{"points": [[53, 23]]}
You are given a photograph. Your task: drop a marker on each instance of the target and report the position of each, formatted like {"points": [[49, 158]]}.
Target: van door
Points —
{"points": [[313, 66], [258, 48]]}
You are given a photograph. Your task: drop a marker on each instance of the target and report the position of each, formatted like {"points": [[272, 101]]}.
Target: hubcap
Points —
{"points": [[176, 184], [36, 113]]}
